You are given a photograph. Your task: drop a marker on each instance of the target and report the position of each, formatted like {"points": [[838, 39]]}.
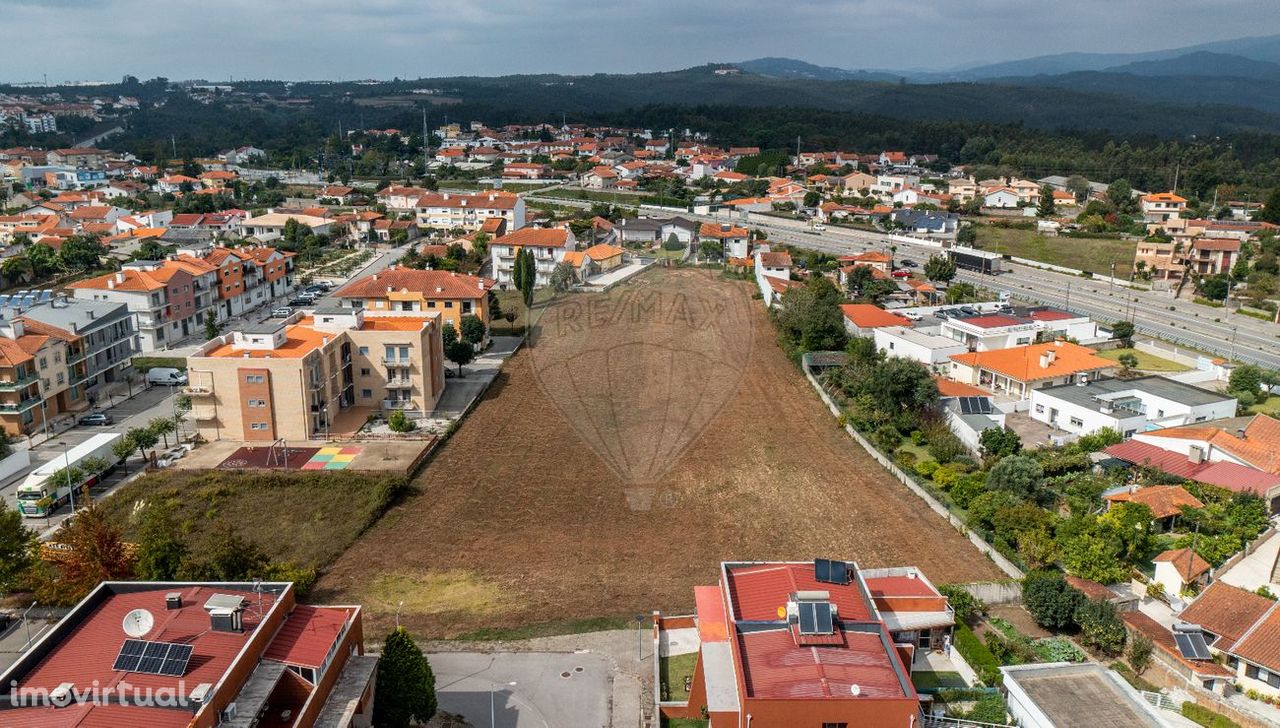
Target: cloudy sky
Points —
{"points": [[346, 39]]}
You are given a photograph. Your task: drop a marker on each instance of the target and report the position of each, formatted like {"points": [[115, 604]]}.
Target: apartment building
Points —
{"points": [[194, 655], [451, 211], [295, 379], [107, 336], [548, 246], [39, 370], [168, 299], [246, 277], [452, 295], [1162, 206]]}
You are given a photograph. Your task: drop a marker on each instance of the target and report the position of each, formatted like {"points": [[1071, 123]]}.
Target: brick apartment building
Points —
{"points": [[198, 654], [296, 379]]}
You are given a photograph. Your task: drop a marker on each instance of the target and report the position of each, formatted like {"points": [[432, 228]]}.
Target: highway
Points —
{"points": [[1153, 313]]}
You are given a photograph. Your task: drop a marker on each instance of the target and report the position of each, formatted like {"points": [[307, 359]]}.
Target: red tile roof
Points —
{"points": [[1186, 562], [307, 635], [952, 388], [1163, 640], [870, 316], [1261, 644], [992, 321], [756, 591], [1232, 476], [536, 237], [778, 668], [1049, 314], [1227, 611], [1164, 501], [430, 283]]}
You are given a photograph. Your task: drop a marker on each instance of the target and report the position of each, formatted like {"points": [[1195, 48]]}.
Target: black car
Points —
{"points": [[907, 263], [97, 419]]}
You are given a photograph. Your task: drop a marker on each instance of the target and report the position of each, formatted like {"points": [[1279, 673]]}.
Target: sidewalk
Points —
{"points": [[1254, 571]]}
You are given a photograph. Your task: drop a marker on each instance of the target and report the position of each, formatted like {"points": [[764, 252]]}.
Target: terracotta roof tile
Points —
{"points": [[1022, 363], [1188, 563], [430, 283], [1163, 500]]}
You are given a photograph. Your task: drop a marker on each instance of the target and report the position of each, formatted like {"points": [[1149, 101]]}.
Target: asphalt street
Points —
{"points": [[1154, 313], [524, 689]]}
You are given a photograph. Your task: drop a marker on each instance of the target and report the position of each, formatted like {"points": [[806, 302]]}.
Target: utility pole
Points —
{"points": [[1177, 168], [426, 143], [1068, 304]]}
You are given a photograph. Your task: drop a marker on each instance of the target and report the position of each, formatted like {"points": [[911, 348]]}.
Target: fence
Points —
{"points": [[1240, 555], [1160, 700], [1003, 563], [994, 593]]}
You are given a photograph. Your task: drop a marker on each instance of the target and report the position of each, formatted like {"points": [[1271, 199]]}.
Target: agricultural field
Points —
{"points": [[1092, 254], [645, 435]]}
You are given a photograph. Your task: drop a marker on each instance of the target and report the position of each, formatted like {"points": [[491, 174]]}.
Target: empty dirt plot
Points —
{"points": [[646, 435]]}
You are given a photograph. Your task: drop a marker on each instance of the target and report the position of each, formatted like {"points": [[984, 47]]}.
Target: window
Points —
{"points": [[258, 426], [835, 725], [57, 357], [1129, 433], [1039, 409], [448, 304], [466, 307], [257, 403], [364, 350], [404, 353], [1077, 422], [61, 378], [431, 304], [364, 372], [1159, 414], [390, 353], [253, 379], [44, 363], [366, 393]]}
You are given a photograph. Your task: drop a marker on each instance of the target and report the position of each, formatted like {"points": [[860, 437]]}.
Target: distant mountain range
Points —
{"points": [[1242, 72]]}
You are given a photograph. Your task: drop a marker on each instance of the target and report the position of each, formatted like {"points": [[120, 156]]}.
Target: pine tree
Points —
{"points": [[406, 687], [517, 271]]}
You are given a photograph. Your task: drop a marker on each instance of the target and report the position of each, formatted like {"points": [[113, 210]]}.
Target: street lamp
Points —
{"points": [[639, 636], [66, 472], [493, 715], [27, 622]]}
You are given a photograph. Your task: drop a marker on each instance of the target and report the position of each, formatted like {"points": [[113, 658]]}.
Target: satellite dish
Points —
{"points": [[855, 690], [138, 622]]}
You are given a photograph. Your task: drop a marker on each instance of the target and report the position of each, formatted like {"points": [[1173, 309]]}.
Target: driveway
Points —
{"points": [[524, 689]]}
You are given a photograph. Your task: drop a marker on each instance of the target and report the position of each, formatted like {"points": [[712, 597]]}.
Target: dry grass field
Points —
{"points": [[646, 435]]}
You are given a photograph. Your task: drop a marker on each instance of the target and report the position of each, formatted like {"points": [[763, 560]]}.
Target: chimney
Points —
{"points": [[226, 620], [92, 315], [1240, 433], [119, 276], [111, 284], [1046, 359], [1196, 456], [173, 600]]}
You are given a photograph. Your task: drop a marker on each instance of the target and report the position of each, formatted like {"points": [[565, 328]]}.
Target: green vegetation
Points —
{"points": [[673, 672], [1145, 362], [146, 363], [684, 723], [1137, 682], [406, 687], [977, 655], [927, 681], [1206, 717], [1090, 254]]}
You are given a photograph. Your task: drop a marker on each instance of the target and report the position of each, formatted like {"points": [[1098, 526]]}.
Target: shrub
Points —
{"points": [[977, 655], [1058, 649], [1100, 626], [945, 477], [398, 421], [966, 605], [1051, 601], [926, 467], [945, 446], [906, 459], [917, 437], [990, 708], [1206, 717], [1155, 590], [1140, 650], [967, 488], [888, 438]]}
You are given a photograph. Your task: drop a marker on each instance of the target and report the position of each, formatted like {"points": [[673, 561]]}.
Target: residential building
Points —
{"points": [[41, 375], [1231, 476], [773, 265], [1001, 198], [1180, 569], [548, 245], [1162, 206], [736, 240], [862, 319], [597, 259], [194, 655], [1017, 371], [1075, 695], [1128, 406], [658, 230], [297, 378], [990, 332], [1242, 629], [406, 290], [930, 349], [108, 339], [927, 222], [452, 211], [270, 226], [1213, 256], [873, 259], [169, 299], [809, 643], [1257, 444]]}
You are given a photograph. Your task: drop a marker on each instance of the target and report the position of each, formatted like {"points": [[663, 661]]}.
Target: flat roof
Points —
{"points": [[1060, 689], [1156, 386], [920, 338], [779, 668]]}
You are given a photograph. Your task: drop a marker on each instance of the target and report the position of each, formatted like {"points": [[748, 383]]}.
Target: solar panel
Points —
{"points": [[1192, 645], [830, 572], [975, 406], [153, 658], [808, 618]]}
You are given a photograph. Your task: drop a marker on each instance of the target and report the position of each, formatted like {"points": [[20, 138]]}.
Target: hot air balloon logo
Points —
{"points": [[642, 370]]}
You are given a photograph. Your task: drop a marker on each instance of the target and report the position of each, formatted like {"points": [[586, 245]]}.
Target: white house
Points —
{"points": [[548, 245], [1002, 198], [930, 349], [1128, 406]]}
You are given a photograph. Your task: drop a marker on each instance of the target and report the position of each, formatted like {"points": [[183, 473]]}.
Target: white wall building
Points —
{"points": [[1128, 406], [931, 349]]}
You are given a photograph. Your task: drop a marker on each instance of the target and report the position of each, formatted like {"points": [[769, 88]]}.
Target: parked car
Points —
{"points": [[819, 228], [308, 296], [171, 456], [902, 273], [301, 303], [913, 315], [282, 312], [168, 376], [97, 419], [907, 263]]}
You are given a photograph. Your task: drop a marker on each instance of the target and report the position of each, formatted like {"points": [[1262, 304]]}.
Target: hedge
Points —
{"points": [[1206, 717], [977, 655], [145, 363]]}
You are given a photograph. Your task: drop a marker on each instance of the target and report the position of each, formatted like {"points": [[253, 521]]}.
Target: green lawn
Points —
{"points": [[510, 302], [928, 681], [1146, 362], [683, 723], [1271, 407], [673, 670], [1092, 254]]}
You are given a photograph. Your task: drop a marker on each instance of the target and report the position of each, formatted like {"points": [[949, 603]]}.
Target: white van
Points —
{"points": [[167, 376]]}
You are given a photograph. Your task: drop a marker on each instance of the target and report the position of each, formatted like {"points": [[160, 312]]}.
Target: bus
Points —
{"points": [[38, 497], [980, 261]]}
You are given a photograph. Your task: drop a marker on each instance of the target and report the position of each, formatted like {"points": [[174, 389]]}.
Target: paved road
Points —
{"points": [[1154, 313], [524, 689]]}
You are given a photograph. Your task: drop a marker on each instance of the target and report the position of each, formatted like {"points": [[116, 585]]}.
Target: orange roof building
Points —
{"points": [[1165, 501], [1018, 370], [1257, 446], [452, 295], [862, 318]]}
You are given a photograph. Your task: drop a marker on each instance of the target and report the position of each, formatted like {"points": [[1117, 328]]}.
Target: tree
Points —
{"points": [[1215, 288], [81, 252], [1000, 442], [1122, 330], [961, 293], [163, 427], [1120, 195], [144, 438], [406, 687], [672, 243], [1078, 186], [1100, 626], [461, 353], [1051, 601], [1270, 211], [232, 558], [93, 551], [1046, 208], [160, 550], [562, 277], [1140, 651], [1245, 380], [212, 329], [448, 334], [528, 278], [940, 268], [517, 270], [1019, 475], [811, 199], [473, 330], [811, 318], [1128, 362], [711, 249], [17, 548], [123, 448], [398, 421]]}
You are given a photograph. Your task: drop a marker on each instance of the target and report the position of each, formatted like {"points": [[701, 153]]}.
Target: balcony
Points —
{"points": [[198, 390], [392, 361], [20, 406], [399, 382], [21, 382], [397, 404], [204, 412]]}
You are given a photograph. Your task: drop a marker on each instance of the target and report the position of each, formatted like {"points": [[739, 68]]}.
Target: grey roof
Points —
{"points": [[927, 219], [78, 315], [266, 327], [332, 306], [1087, 395], [255, 693], [347, 691]]}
